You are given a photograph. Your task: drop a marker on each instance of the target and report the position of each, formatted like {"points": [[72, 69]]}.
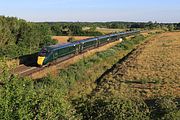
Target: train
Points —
{"points": [[50, 54]]}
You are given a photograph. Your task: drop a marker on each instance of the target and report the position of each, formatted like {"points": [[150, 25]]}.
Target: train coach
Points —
{"points": [[51, 53]]}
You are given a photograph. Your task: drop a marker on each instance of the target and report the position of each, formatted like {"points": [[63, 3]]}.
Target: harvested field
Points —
{"points": [[63, 39], [107, 30], [153, 69]]}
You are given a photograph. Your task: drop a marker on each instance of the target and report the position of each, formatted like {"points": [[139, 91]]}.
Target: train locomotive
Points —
{"points": [[51, 53]]}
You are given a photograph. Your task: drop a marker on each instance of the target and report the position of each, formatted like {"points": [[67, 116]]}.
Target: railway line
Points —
{"points": [[33, 70]]}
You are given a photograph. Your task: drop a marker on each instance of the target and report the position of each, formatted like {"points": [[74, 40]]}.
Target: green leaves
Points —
{"points": [[115, 108], [18, 37], [23, 99]]}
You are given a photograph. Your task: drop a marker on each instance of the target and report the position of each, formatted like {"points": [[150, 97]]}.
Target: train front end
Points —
{"points": [[42, 56]]}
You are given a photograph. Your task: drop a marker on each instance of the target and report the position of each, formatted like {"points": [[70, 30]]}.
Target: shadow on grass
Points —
{"points": [[98, 81]]}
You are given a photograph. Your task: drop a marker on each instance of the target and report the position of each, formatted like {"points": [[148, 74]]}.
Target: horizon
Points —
{"points": [[162, 11]]}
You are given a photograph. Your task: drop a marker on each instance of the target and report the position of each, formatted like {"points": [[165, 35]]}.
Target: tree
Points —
{"points": [[178, 26], [171, 27]]}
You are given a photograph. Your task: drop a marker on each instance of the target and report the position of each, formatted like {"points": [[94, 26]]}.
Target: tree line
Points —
{"points": [[61, 28], [18, 37]]}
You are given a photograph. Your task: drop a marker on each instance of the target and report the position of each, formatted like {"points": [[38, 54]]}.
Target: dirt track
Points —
{"points": [[152, 69]]}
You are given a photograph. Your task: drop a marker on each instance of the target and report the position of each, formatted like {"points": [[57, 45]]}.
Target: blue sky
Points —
{"points": [[92, 10]]}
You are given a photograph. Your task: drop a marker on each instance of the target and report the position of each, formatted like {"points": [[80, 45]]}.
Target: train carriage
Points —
{"points": [[88, 44], [114, 37], [51, 53], [103, 40]]}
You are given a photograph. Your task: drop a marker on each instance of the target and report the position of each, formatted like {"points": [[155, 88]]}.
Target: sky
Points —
{"points": [[92, 10]]}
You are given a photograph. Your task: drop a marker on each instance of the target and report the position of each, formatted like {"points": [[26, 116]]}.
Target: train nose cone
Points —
{"points": [[40, 60]]}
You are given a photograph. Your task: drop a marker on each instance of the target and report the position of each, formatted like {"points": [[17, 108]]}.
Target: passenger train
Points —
{"points": [[51, 53]]}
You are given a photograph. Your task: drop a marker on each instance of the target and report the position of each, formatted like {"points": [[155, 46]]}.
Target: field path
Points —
{"points": [[153, 68]]}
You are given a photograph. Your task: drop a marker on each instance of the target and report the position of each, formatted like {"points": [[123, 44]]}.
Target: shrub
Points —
{"points": [[23, 99], [114, 108], [165, 107]]}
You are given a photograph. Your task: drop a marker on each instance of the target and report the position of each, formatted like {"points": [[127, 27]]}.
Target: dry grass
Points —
{"points": [[12, 63], [152, 70], [63, 39], [107, 31]]}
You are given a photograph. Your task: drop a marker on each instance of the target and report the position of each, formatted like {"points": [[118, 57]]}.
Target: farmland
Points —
{"points": [[152, 70], [145, 84], [64, 39], [107, 31]]}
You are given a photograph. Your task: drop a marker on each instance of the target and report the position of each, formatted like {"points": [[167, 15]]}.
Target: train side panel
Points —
{"points": [[87, 45]]}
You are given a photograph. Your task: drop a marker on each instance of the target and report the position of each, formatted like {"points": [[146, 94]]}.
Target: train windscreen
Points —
{"points": [[43, 52]]}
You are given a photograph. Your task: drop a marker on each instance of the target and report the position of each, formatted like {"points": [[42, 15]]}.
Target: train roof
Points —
{"points": [[105, 36], [87, 40], [60, 46]]}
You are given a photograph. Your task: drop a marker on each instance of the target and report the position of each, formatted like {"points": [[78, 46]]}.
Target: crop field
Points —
{"points": [[63, 39], [151, 70], [145, 84]]}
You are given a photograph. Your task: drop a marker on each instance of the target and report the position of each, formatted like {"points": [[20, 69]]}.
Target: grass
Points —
{"points": [[107, 30], [153, 68], [80, 77], [64, 39], [139, 96]]}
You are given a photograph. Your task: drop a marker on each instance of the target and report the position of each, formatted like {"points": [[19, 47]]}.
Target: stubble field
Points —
{"points": [[153, 69]]}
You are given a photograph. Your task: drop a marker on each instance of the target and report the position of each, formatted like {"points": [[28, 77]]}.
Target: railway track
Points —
{"points": [[33, 70]]}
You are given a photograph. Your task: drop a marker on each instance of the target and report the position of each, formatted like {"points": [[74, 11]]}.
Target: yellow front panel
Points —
{"points": [[40, 60]]}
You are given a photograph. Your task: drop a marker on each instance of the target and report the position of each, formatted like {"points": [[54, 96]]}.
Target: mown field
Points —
{"points": [[107, 30], [143, 85], [64, 39], [153, 69]]}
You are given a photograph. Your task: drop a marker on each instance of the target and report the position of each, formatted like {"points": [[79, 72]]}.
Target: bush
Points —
{"points": [[23, 99], [165, 107], [114, 108]]}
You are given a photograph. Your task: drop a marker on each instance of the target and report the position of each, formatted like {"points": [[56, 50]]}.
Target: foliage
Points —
{"points": [[166, 108], [18, 37], [24, 99], [112, 25], [71, 29], [105, 108], [71, 39], [178, 26], [121, 108]]}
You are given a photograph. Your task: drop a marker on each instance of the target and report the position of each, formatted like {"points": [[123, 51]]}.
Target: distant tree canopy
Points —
{"points": [[75, 28], [71, 29], [178, 26]]}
